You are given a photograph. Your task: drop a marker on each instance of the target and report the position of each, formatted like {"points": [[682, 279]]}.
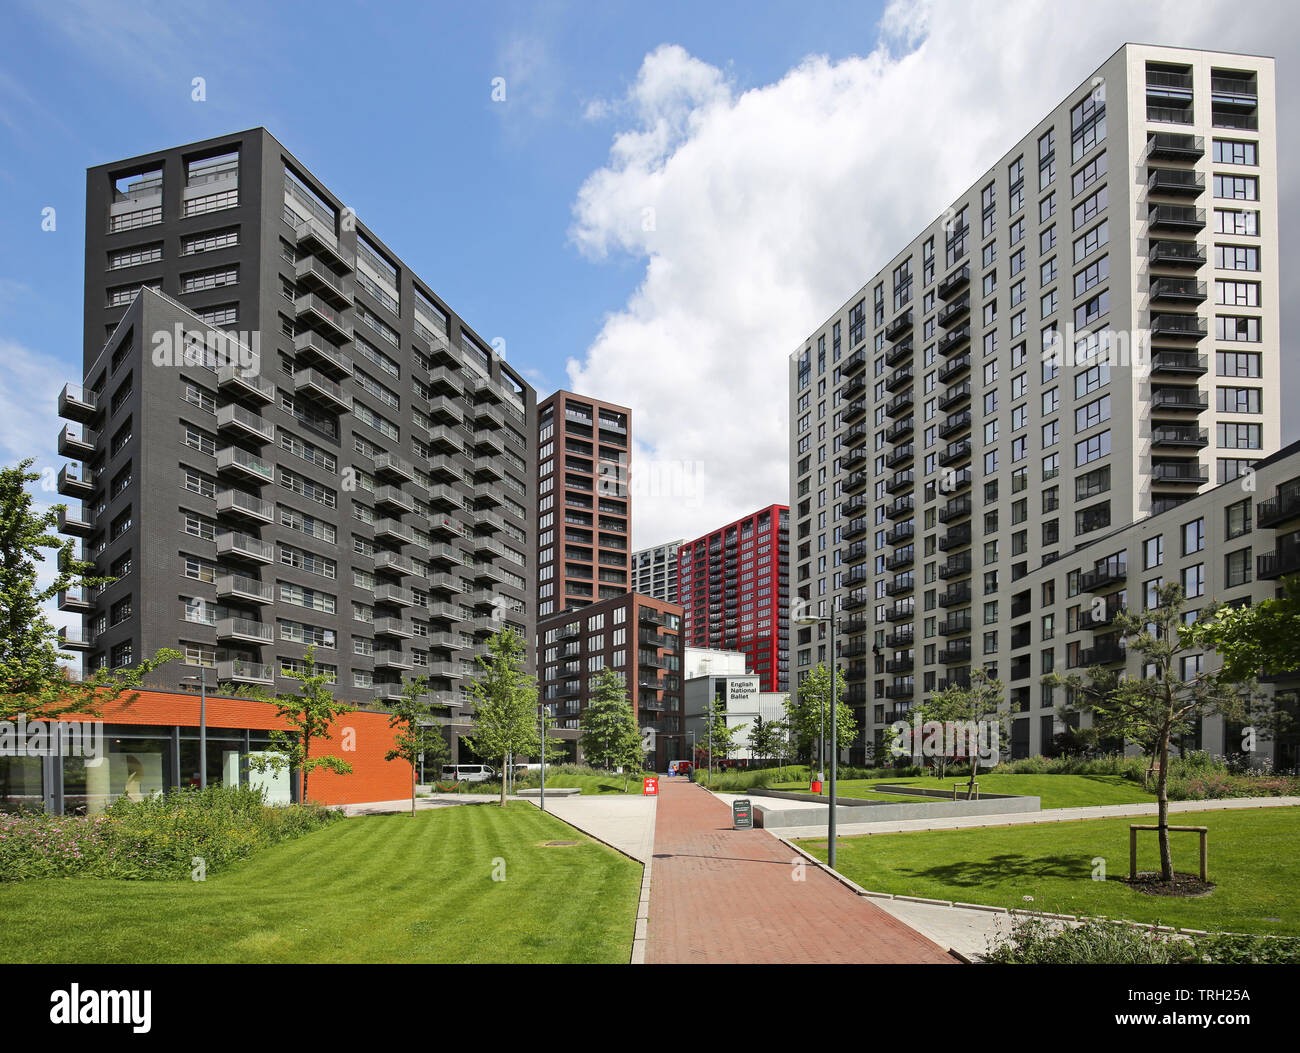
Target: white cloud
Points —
{"points": [[759, 210]]}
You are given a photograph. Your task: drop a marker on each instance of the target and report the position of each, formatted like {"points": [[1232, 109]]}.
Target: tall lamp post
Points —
{"points": [[202, 681], [541, 743], [833, 623]]}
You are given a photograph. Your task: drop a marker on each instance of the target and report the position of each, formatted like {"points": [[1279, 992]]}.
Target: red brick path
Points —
{"points": [[719, 895]]}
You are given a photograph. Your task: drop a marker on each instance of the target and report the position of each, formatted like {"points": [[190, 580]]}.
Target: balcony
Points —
{"points": [[390, 529], [957, 651], [1169, 435], [901, 481], [958, 622], [901, 508], [76, 521], [312, 273], [899, 429], [1178, 326], [955, 595], [953, 310], [77, 403], [1278, 509], [853, 456], [854, 506], [321, 390], [955, 566], [854, 362], [903, 532], [76, 480], [234, 545], [236, 420], [855, 483], [244, 630], [1185, 363], [1108, 653], [955, 395], [954, 340], [239, 505], [904, 557], [391, 466], [393, 563], [955, 367], [245, 384], [899, 455], [1103, 575], [955, 423], [319, 237], [77, 598], [395, 595], [901, 664], [899, 404], [899, 326], [1281, 562], [899, 352], [1177, 291], [954, 281], [248, 590], [78, 442], [238, 671], [311, 349], [853, 387], [857, 433], [394, 498], [856, 528], [393, 658], [903, 636], [957, 537], [1188, 400], [1175, 146], [902, 610], [487, 468], [900, 691], [1176, 218], [855, 410], [395, 628], [1180, 473], [1176, 182], [243, 465], [956, 508], [900, 376], [956, 481], [901, 585], [317, 313], [1177, 254], [75, 638], [955, 451]]}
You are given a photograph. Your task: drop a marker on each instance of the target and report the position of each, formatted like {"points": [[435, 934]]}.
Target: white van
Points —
{"points": [[467, 773]]}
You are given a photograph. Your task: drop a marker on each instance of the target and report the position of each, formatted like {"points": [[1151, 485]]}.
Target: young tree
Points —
{"points": [[809, 714], [310, 714], [1262, 639], [505, 697], [719, 737], [763, 737], [417, 736], [610, 736], [33, 682], [1165, 702], [970, 708]]}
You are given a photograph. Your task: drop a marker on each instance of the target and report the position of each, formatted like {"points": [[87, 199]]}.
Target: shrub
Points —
{"points": [[154, 838], [1032, 941]]}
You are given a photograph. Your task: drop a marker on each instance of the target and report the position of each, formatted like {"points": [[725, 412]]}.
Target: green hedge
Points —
{"points": [[1033, 941], [156, 838]]}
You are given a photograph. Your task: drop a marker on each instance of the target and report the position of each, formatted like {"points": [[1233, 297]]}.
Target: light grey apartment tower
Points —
{"points": [[1087, 337], [654, 570], [285, 439]]}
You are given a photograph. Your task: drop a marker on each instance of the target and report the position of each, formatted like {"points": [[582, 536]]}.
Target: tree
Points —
{"points": [[809, 713], [1167, 701], [764, 737], [610, 736], [967, 708], [1262, 639], [416, 736], [33, 681], [310, 713], [505, 698], [719, 737]]}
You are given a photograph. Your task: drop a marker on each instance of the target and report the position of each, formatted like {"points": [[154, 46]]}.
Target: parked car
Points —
{"points": [[467, 773]]}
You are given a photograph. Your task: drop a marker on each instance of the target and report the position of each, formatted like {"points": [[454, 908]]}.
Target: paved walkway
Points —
{"points": [[1051, 815], [624, 822], [740, 896]]}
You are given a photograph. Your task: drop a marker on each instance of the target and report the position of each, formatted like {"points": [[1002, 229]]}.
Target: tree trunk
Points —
{"points": [[974, 770], [503, 782], [412, 790], [1162, 796]]}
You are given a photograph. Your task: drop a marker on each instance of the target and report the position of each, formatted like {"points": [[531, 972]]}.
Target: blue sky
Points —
{"points": [[784, 150], [391, 108]]}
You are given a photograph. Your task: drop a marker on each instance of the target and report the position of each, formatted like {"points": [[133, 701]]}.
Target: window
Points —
{"points": [[1153, 552], [1237, 519], [1235, 152], [1194, 581], [1092, 413], [1239, 436], [1087, 124], [1092, 448], [1193, 536], [1237, 568], [1239, 400]]}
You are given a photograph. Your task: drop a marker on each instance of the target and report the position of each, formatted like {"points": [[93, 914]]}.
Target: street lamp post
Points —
{"points": [[541, 742], [833, 623], [202, 680]]}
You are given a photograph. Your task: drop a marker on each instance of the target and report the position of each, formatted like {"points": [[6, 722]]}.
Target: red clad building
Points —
{"points": [[734, 586]]}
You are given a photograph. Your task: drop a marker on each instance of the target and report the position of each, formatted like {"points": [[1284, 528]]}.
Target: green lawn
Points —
{"points": [[1056, 791], [373, 889], [1251, 862], [587, 783]]}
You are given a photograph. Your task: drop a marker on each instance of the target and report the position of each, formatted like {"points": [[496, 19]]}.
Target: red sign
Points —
{"points": [[650, 786]]}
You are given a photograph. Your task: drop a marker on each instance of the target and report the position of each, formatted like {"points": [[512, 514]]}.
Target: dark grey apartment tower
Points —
{"points": [[285, 439]]}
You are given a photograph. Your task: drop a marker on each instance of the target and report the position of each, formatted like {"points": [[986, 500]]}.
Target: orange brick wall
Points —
{"points": [[372, 778]]}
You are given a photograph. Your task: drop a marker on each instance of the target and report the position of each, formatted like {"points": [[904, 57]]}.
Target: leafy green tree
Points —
{"points": [[1262, 639], [719, 737], [808, 713], [33, 681], [417, 737], [763, 738], [310, 713], [610, 736], [505, 698], [968, 706], [1163, 704]]}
